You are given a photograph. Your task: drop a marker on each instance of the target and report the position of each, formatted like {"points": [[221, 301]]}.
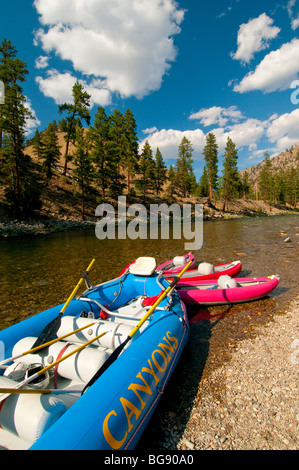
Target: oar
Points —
{"points": [[42, 346], [45, 369], [39, 391], [119, 349], [51, 329]]}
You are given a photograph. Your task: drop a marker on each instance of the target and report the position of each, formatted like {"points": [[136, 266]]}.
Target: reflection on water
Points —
{"points": [[39, 272]]}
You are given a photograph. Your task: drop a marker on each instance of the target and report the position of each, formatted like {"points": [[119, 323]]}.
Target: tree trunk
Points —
{"points": [[65, 157], [210, 186], [128, 179]]}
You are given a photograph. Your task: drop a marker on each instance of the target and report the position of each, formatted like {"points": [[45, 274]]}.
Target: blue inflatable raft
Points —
{"points": [[63, 412]]}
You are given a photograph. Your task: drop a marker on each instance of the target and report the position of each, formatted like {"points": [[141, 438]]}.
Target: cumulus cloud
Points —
{"points": [[168, 141], [294, 18], [275, 72], [31, 122], [275, 134], [128, 43], [254, 36], [245, 134], [149, 130], [284, 130], [42, 62], [59, 87], [217, 115]]}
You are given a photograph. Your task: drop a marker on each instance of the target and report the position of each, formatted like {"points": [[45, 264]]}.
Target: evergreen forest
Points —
{"points": [[104, 158]]}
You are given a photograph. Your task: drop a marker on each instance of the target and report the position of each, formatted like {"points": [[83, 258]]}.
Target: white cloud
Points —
{"points": [[217, 115], [129, 43], [275, 72], [294, 19], [31, 123], [59, 87], [275, 134], [284, 130], [295, 23], [150, 130], [254, 36], [168, 141], [245, 134], [42, 62]]}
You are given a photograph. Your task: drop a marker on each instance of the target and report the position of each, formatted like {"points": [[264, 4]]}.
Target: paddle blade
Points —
{"points": [[107, 364], [48, 332]]}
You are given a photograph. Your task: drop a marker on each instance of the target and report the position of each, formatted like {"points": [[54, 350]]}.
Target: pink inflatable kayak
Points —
{"points": [[215, 271], [208, 292]]}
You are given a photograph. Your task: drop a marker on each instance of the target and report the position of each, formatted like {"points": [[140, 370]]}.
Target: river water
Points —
{"points": [[38, 272]]}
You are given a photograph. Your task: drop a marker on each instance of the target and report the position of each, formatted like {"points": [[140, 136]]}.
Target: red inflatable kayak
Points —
{"points": [[207, 271], [173, 266], [176, 265], [241, 290], [197, 271]]}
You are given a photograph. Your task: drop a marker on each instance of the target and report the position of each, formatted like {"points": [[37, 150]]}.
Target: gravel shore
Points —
{"points": [[257, 405]]}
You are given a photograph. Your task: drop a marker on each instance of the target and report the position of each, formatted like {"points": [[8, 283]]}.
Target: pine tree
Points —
{"points": [[160, 171], [231, 179], [83, 166], [130, 158], [146, 170], [204, 183], [104, 162], [22, 191], [50, 150], [265, 179], [37, 144], [184, 170], [117, 150], [245, 185], [171, 189], [211, 158], [76, 112]]}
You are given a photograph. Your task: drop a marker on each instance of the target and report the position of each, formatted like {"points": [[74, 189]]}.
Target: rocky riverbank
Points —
{"points": [[250, 402], [211, 211], [41, 227]]}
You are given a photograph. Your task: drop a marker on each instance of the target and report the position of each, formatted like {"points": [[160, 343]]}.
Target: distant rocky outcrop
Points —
{"points": [[284, 161]]}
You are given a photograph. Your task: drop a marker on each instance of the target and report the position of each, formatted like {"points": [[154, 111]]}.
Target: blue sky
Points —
{"points": [[184, 68]]}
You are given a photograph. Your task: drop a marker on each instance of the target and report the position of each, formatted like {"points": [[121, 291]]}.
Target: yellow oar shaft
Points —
{"points": [[45, 369], [45, 345], [75, 289], [63, 358]]}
